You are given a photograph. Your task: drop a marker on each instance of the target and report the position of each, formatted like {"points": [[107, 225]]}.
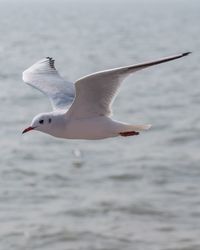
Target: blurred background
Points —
{"points": [[138, 193]]}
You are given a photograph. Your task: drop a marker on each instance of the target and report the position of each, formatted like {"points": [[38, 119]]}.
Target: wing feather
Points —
{"points": [[43, 76], [95, 93]]}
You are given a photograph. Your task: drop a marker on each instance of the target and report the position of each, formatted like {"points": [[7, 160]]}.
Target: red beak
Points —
{"points": [[27, 129]]}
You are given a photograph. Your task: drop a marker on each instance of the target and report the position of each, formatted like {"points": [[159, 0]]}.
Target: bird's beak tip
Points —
{"points": [[27, 129]]}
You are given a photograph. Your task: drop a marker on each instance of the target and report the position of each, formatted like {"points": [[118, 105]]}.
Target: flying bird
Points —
{"points": [[82, 110]]}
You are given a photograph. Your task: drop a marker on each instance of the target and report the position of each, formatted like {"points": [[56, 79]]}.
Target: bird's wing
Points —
{"points": [[96, 92], [43, 76]]}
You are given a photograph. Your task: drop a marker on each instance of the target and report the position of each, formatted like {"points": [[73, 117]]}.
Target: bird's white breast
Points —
{"points": [[90, 128]]}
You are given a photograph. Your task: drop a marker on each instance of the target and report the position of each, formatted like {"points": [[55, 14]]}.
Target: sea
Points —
{"points": [[133, 193]]}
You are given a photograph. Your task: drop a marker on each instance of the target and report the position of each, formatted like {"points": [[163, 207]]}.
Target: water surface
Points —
{"points": [[138, 193]]}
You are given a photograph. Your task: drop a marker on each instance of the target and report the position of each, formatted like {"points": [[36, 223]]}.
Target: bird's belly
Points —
{"points": [[90, 129]]}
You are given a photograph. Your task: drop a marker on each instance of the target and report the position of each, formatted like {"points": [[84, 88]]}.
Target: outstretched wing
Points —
{"points": [[43, 76], [96, 92]]}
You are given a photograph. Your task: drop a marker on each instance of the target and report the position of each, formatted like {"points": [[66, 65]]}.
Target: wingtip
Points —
{"points": [[51, 62], [186, 53]]}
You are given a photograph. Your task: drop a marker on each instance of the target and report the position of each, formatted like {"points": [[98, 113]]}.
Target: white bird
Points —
{"points": [[82, 111]]}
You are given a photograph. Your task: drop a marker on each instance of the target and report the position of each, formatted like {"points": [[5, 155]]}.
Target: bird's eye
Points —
{"points": [[41, 121], [49, 120]]}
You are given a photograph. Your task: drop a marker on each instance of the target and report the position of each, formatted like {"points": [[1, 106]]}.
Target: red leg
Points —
{"points": [[129, 133]]}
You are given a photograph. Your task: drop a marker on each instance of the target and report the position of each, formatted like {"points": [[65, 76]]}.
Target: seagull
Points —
{"points": [[83, 110]]}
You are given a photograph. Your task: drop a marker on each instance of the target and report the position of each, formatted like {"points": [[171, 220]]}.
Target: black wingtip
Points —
{"points": [[51, 62], [186, 53]]}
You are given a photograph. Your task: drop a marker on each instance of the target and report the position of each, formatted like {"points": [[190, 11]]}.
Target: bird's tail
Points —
{"points": [[126, 129], [130, 130], [136, 128]]}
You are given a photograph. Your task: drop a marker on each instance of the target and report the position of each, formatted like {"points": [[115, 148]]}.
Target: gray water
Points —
{"points": [[137, 193]]}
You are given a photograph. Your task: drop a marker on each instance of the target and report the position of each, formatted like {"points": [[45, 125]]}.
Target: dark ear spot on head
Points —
{"points": [[41, 121], [49, 120]]}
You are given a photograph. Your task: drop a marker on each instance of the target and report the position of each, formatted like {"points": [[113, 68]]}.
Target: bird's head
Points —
{"points": [[41, 122]]}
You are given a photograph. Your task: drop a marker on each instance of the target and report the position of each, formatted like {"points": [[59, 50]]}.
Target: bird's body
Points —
{"points": [[101, 127], [83, 111], [91, 128]]}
